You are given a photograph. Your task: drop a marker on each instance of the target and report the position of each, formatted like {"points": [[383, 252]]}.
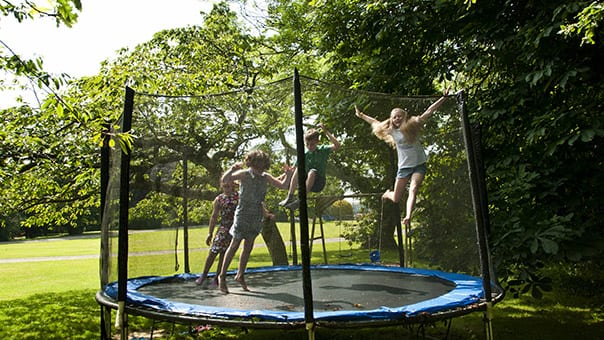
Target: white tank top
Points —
{"points": [[409, 155]]}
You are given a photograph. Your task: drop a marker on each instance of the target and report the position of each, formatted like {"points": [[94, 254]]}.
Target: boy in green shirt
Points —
{"points": [[316, 165]]}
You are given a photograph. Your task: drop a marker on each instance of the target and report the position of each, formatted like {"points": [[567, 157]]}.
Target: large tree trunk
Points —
{"points": [[274, 243]]}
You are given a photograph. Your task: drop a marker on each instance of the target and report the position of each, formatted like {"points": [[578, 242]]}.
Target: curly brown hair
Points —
{"points": [[258, 159]]}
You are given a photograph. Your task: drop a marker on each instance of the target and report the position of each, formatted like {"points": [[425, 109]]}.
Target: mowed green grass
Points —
{"points": [[64, 264], [55, 299], [50, 247]]}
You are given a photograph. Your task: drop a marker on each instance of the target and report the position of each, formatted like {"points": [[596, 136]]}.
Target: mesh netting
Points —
{"points": [[182, 145]]}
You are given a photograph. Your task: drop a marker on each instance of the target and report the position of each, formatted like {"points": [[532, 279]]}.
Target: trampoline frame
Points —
{"points": [[464, 297]]}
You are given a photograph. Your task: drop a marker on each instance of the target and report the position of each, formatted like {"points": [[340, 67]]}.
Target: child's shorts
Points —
{"points": [[407, 172]]}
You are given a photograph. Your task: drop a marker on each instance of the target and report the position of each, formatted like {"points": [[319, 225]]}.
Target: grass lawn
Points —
{"points": [[54, 299]]}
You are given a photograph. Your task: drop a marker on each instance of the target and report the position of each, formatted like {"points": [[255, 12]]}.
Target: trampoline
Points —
{"points": [[157, 183], [343, 296]]}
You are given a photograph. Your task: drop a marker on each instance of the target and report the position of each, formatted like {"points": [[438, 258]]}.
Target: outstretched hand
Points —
{"points": [[358, 112], [289, 169]]}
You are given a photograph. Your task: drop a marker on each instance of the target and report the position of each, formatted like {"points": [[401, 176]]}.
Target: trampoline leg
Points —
{"points": [[448, 322], [121, 320], [105, 323], [487, 320], [310, 327]]}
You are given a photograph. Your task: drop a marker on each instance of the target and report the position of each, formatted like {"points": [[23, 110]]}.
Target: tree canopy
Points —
{"points": [[534, 82]]}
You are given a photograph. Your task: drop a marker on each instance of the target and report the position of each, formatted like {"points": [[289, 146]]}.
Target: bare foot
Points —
{"points": [[214, 284], [241, 281], [222, 285]]}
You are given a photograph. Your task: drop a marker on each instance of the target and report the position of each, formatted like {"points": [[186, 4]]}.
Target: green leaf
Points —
{"points": [[587, 135], [549, 246]]}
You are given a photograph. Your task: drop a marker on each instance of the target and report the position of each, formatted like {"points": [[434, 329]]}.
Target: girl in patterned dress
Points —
{"points": [[250, 212], [224, 205]]}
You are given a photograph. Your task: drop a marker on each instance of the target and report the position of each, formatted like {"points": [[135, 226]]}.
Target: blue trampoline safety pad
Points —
{"points": [[340, 293]]}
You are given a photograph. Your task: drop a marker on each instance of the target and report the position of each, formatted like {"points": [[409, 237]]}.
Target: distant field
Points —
{"points": [[71, 263]]}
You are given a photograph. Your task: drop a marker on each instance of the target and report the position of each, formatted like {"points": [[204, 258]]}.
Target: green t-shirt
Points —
{"points": [[317, 159]]}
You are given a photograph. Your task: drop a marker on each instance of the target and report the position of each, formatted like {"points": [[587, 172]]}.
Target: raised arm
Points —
{"points": [[335, 143], [233, 173], [364, 117], [281, 182], [422, 118]]}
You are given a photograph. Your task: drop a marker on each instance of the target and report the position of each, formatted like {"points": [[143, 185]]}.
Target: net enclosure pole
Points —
{"points": [[185, 210], [122, 255], [103, 273], [304, 242], [480, 211]]}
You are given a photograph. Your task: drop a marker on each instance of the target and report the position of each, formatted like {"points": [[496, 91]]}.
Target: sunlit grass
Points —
{"points": [[55, 299], [49, 247], [38, 276], [20, 280]]}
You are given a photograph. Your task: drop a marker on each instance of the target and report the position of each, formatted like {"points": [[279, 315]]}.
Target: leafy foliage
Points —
{"points": [[534, 80]]}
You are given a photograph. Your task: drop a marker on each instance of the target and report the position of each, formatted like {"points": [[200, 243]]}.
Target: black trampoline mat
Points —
{"points": [[332, 290]]}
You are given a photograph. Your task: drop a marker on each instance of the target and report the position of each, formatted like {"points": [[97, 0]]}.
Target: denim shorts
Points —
{"points": [[407, 172]]}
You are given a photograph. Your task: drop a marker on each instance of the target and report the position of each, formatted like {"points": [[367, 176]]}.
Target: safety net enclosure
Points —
{"points": [[157, 195]]}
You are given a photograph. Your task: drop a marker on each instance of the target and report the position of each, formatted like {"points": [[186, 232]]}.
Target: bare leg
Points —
{"points": [[399, 187], [248, 245], [310, 180], [206, 269], [290, 191], [219, 267], [416, 182], [228, 258], [293, 183]]}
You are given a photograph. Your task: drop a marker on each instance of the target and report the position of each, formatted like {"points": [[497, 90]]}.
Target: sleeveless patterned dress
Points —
{"points": [[222, 239]]}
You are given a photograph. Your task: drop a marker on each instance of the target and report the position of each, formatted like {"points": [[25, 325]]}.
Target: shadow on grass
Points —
{"points": [[68, 315], [527, 318]]}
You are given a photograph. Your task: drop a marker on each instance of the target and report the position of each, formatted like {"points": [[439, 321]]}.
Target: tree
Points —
{"points": [[356, 46], [37, 186], [536, 93], [541, 115], [65, 131]]}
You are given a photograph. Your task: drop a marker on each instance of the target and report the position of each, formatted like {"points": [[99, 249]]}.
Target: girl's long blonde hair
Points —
{"points": [[410, 128]]}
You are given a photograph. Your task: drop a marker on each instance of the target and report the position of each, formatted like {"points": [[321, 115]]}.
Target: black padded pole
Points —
{"points": [[122, 253], [304, 242], [105, 311], [185, 211], [481, 212], [480, 208]]}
